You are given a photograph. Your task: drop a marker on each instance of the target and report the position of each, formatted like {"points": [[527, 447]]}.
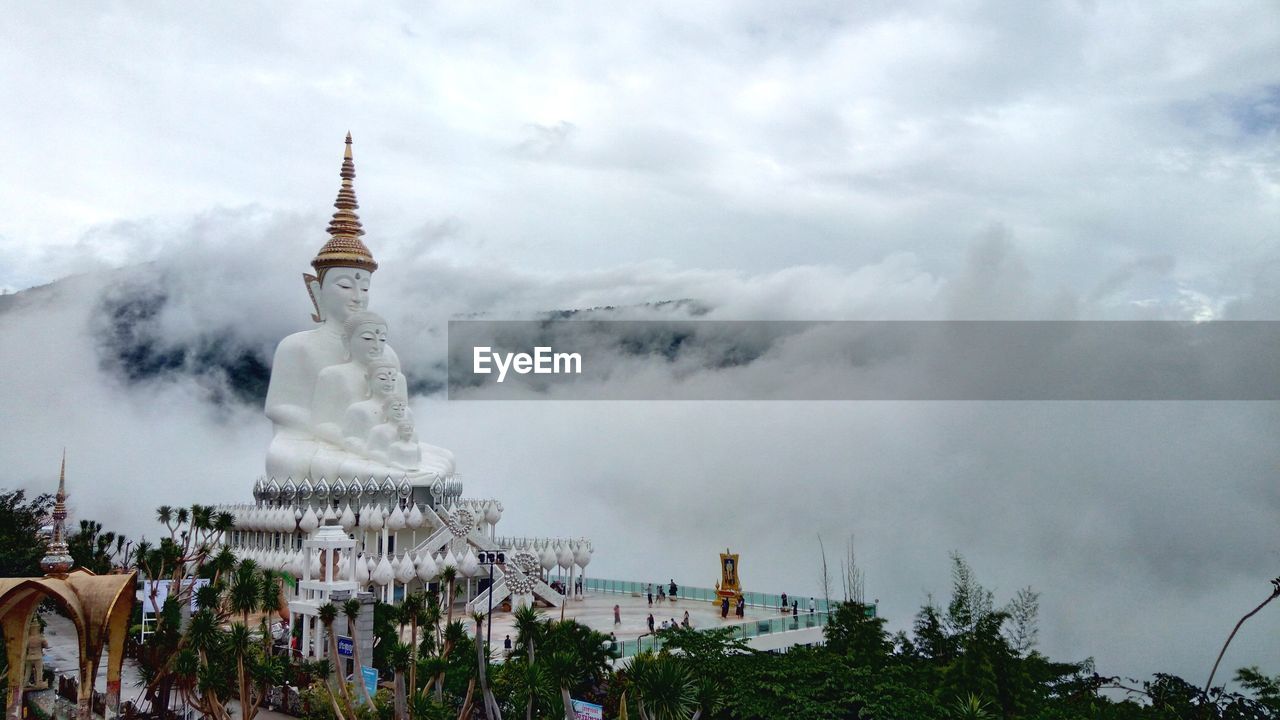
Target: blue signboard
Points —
{"points": [[345, 647], [370, 679]]}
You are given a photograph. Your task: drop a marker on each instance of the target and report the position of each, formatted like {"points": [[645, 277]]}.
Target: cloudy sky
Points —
{"points": [[1071, 160]]}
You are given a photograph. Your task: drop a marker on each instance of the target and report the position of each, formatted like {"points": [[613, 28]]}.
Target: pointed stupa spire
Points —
{"points": [[344, 248], [62, 478], [57, 560]]}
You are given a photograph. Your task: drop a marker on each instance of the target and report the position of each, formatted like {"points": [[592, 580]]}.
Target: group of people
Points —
{"points": [[668, 624], [739, 607], [794, 607], [670, 592], [559, 586]]}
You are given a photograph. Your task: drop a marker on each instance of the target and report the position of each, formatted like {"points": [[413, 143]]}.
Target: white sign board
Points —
{"points": [[160, 588], [583, 710]]}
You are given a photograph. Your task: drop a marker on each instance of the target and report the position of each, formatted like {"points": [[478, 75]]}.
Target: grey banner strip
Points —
{"points": [[852, 360]]}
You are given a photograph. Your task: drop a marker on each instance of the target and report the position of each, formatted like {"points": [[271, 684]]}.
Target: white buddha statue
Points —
{"points": [[339, 387], [361, 417], [404, 451], [339, 289], [383, 434], [395, 442]]}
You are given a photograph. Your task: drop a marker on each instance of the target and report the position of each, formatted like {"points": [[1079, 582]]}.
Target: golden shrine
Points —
{"points": [[729, 585]]}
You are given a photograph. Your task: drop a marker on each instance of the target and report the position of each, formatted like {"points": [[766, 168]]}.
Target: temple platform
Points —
{"points": [[762, 627]]}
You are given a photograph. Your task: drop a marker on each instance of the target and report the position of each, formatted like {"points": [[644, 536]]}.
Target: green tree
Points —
{"points": [[530, 685], [21, 544], [328, 613], [412, 610], [97, 551], [931, 640], [564, 669], [245, 595], [401, 658], [855, 632], [351, 608], [970, 602], [663, 689], [1023, 611], [482, 667], [1265, 689], [193, 538]]}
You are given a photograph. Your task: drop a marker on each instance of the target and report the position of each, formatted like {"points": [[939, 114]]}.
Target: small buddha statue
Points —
{"points": [[404, 450], [361, 417], [388, 431]]}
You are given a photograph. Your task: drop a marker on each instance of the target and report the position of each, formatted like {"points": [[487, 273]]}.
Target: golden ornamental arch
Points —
{"points": [[99, 605]]}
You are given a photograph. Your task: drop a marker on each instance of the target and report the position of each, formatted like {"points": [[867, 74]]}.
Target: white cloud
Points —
{"points": [[797, 161]]}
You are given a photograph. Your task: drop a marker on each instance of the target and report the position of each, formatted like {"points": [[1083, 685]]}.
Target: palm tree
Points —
{"points": [[972, 707], [401, 659], [432, 616], [271, 584], [245, 595], [203, 637], [240, 642], [186, 672], [663, 688], [328, 614], [432, 666], [482, 669], [324, 669], [268, 672], [588, 646], [351, 609], [531, 682], [412, 609], [164, 515], [528, 623], [222, 563], [565, 670], [449, 577], [454, 635]]}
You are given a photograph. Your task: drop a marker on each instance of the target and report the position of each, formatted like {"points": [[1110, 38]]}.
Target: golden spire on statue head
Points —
{"points": [[344, 248]]}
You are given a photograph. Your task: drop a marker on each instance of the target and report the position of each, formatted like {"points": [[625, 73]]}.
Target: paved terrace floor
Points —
{"points": [[595, 610]]}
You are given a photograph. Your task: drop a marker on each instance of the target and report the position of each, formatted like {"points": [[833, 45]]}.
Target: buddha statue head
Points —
{"points": [[404, 431], [383, 377], [344, 266], [365, 336], [398, 412]]}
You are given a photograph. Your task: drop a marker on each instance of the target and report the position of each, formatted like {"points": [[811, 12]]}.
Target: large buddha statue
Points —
{"points": [[304, 445]]}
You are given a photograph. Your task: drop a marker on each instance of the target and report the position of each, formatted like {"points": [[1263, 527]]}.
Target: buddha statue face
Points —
{"points": [[383, 381], [367, 342], [405, 431], [342, 292], [398, 412]]}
